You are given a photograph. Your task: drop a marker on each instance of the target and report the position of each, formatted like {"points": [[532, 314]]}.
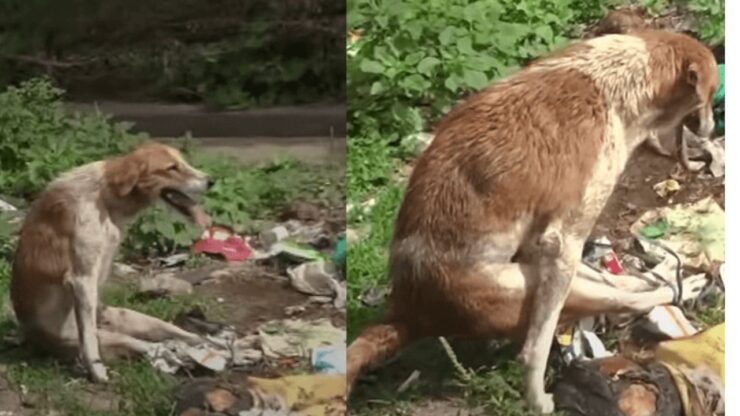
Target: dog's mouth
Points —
{"points": [[186, 205]]}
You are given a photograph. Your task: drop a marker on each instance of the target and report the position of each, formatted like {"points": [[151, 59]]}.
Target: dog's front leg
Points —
{"points": [[85, 292], [557, 265]]}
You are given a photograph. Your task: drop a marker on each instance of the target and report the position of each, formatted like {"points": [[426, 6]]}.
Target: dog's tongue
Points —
{"points": [[199, 216]]}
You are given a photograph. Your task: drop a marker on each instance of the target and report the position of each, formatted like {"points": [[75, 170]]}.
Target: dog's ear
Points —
{"points": [[692, 74], [123, 173]]}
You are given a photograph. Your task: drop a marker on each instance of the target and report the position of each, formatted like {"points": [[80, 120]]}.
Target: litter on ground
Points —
{"points": [[695, 231], [296, 338]]}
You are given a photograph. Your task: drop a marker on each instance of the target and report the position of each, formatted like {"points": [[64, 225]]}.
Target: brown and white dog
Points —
{"points": [[67, 245], [488, 239]]}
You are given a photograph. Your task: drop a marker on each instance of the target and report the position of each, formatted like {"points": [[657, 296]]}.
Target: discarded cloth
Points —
{"points": [[616, 386]]}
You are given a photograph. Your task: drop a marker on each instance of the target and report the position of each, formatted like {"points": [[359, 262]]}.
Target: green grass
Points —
{"points": [[142, 390], [712, 312], [125, 294]]}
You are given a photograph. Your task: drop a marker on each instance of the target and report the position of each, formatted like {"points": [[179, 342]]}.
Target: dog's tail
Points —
{"points": [[373, 345]]}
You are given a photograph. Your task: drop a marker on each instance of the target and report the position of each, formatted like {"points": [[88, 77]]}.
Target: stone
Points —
{"points": [[101, 401], [123, 270], [193, 411], [165, 284], [10, 401], [294, 310], [220, 400], [314, 278]]}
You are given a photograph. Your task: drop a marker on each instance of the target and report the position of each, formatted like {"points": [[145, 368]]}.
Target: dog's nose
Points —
{"points": [[211, 182]]}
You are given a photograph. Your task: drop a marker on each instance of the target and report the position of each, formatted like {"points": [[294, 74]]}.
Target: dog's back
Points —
{"points": [[43, 258]]}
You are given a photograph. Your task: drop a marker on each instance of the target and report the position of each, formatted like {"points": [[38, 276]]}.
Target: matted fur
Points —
{"points": [[520, 171], [66, 249]]}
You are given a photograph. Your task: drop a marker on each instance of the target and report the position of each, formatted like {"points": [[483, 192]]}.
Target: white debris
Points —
{"points": [[314, 278], [165, 284], [669, 320], [217, 352], [4, 206]]}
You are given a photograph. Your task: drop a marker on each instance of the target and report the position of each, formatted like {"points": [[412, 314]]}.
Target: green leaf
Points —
{"points": [[447, 35], [545, 32], [377, 88], [465, 46], [415, 82], [475, 79], [452, 83], [655, 230], [427, 65], [372, 67]]}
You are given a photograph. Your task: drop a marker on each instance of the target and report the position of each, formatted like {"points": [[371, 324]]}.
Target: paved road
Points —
{"points": [[312, 133], [172, 120]]}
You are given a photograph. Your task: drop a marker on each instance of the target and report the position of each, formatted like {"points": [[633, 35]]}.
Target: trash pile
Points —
{"points": [[312, 271], [313, 262], [664, 363]]}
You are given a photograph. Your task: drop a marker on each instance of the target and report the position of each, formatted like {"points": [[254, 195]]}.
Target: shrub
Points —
{"points": [[415, 58], [38, 141]]}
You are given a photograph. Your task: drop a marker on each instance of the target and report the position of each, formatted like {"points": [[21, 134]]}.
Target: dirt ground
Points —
{"points": [[634, 195]]}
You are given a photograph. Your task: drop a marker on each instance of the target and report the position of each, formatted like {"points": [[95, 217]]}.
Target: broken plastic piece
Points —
{"points": [[330, 359], [223, 241]]}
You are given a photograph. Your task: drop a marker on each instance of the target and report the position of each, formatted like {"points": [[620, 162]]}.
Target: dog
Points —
{"points": [[488, 239], [66, 248]]}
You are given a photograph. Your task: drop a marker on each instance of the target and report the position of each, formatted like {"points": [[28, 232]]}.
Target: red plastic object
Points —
{"points": [[612, 264], [222, 240]]}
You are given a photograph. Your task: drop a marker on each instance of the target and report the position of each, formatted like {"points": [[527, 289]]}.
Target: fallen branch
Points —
{"points": [[45, 62]]}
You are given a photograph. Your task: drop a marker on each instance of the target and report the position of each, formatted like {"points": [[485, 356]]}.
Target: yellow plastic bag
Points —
{"points": [[305, 395], [705, 349], [698, 357]]}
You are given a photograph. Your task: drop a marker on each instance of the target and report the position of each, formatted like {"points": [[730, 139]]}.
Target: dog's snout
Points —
{"points": [[210, 182]]}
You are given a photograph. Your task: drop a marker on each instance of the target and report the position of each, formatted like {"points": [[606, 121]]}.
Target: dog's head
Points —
{"points": [[155, 171], [687, 96]]}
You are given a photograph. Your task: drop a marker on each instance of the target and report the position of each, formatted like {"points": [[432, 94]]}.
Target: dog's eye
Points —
{"points": [[172, 167]]}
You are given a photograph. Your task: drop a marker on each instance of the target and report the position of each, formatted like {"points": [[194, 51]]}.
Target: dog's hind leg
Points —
{"points": [[114, 344], [559, 259], [142, 326], [372, 346], [588, 298]]}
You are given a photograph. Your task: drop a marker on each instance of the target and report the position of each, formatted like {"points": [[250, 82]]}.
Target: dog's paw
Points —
{"points": [[542, 403], [692, 286], [98, 373]]}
